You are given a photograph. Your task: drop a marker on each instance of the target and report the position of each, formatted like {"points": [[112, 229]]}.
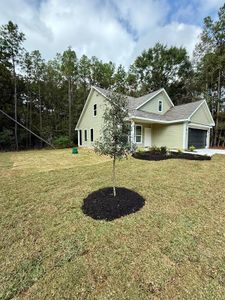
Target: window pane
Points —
{"points": [[95, 109], [138, 130], [138, 139], [160, 105], [80, 131]]}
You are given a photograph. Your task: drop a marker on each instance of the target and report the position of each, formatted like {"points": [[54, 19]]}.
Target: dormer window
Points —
{"points": [[160, 108], [95, 110]]}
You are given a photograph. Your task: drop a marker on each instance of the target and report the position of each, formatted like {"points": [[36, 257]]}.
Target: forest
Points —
{"points": [[47, 97]]}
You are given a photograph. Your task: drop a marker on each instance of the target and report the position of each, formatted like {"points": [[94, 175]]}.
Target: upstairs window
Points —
{"points": [[160, 106], [95, 110]]}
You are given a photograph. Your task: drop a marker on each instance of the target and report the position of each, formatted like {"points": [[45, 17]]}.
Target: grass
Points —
{"points": [[173, 248]]}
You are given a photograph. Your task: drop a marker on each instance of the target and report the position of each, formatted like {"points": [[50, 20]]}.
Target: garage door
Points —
{"points": [[197, 138]]}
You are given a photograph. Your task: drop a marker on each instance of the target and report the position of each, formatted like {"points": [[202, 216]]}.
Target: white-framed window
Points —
{"points": [[92, 134], [80, 137], [95, 110], [138, 134], [85, 135], [160, 107]]}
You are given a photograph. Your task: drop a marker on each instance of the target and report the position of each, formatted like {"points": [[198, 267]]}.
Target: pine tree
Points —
{"points": [[11, 40]]}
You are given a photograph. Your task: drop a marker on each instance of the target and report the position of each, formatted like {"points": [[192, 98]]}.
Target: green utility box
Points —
{"points": [[74, 150]]}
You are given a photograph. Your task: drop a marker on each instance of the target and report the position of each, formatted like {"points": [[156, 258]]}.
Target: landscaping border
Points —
{"points": [[148, 155]]}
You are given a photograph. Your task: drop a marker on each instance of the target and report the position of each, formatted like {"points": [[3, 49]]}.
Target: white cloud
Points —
{"points": [[142, 14], [116, 30], [173, 34], [208, 5]]}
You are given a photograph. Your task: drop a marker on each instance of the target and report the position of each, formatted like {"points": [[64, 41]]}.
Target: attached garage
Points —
{"points": [[197, 138]]}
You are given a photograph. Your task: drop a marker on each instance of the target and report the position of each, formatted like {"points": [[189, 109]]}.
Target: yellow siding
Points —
{"points": [[88, 121], [202, 116], [170, 136], [152, 105]]}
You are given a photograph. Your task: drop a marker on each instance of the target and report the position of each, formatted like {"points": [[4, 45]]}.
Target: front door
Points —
{"points": [[147, 137]]}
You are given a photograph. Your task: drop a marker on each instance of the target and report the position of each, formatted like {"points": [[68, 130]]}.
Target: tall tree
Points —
{"points": [[34, 67], [165, 67], [38, 73], [120, 80], [102, 73], [11, 40], [69, 70], [209, 57], [84, 74], [27, 69]]}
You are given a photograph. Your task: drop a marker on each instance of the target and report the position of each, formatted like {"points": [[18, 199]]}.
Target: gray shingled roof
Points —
{"points": [[175, 113], [135, 102], [132, 101], [182, 111]]}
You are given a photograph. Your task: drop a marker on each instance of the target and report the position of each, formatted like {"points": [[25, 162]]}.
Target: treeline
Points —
{"points": [[47, 96]]}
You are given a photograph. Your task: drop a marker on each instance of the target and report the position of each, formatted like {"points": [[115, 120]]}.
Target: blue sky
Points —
{"points": [[116, 30]]}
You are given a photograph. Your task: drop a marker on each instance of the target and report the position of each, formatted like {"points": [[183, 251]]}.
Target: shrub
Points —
{"points": [[154, 150], [163, 150], [158, 150], [140, 149], [62, 142], [192, 148], [179, 151], [7, 139]]}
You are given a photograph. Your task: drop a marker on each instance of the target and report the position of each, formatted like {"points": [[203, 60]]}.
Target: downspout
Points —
{"points": [[185, 135], [132, 132]]}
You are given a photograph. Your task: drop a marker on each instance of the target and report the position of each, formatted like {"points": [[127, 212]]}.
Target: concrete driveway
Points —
{"points": [[209, 152]]}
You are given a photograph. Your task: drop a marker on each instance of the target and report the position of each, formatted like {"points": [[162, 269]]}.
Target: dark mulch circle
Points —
{"points": [[102, 205], [147, 155]]}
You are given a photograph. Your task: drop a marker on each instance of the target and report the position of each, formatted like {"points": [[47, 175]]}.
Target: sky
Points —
{"points": [[112, 30]]}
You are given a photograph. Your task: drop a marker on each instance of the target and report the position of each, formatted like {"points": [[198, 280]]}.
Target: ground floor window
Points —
{"points": [[85, 135], [92, 135], [80, 137], [138, 134]]}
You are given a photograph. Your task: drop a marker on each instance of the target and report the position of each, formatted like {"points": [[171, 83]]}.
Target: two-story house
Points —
{"points": [[155, 121]]}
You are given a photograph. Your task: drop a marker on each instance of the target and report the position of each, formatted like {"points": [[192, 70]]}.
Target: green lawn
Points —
{"points": [[173, 248]]}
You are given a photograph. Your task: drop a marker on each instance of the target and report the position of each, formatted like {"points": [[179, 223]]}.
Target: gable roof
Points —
{"points": [[133, 103], [150, 96], [182, 111], [175, 114]]}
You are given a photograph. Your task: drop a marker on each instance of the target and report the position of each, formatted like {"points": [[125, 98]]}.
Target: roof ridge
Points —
{"points": [[109, 90], [189, 103], [149, 93]]}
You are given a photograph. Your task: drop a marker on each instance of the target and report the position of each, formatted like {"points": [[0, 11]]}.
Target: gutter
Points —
{"points": [[158, 121]]}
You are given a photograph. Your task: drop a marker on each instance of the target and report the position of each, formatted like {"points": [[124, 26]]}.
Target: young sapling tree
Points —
{"points": [[114, 140]]}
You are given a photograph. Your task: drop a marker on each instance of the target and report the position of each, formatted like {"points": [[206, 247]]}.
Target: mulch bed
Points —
{"points": [[102, 205], [147, 155]]}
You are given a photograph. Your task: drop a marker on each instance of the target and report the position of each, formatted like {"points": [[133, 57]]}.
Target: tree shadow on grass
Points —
{"points": [[102, 205]]}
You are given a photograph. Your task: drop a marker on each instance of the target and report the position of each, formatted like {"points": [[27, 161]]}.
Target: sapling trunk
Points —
{"points": [[114, 176]]}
